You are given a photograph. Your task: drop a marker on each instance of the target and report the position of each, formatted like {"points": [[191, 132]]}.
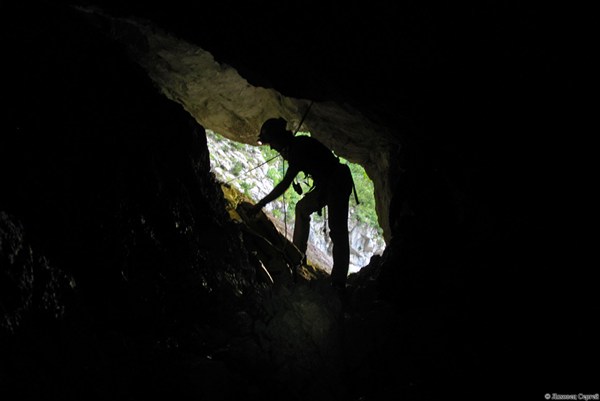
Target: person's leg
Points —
{"points": [[338, 224], [304, 208]]}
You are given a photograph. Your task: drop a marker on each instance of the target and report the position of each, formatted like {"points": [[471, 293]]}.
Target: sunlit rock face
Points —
{"points": [[123, 275], [222, 100], [245, 168]]}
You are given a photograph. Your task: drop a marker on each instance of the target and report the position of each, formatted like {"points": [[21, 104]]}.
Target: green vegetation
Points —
{"points": [[363, 212], [237, 168], [246, 187], [275, 174], [238, 146], [278, 214]]}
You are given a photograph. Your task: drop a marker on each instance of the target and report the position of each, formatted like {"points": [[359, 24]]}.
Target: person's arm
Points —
{"points": [[279, 188]]}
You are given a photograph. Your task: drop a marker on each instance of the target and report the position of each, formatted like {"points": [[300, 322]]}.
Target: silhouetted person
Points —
{"points": [[332, 188]]}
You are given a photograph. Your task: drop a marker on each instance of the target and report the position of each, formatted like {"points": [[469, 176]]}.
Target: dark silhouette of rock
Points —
{"points": [[132, 282]]}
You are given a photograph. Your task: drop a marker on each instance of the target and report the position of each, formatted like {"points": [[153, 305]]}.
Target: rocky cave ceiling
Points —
{"points": [[222, 100], [452, 81], [469, 89]]}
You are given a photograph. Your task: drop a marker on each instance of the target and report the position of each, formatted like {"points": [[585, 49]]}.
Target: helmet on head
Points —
{"points": [[272, 130]]}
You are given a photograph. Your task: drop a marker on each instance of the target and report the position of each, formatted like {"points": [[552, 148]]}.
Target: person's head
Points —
{"points": [[274, 133]]}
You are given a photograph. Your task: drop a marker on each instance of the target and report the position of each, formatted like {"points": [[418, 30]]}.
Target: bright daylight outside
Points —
{"points": [[236, 164]]}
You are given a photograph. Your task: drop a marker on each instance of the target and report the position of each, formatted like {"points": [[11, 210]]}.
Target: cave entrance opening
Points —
{"points": [[247, 169]]}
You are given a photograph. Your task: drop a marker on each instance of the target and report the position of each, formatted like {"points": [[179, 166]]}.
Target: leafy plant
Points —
{"points": [[237, 168], [363, 212], [246, 187]]}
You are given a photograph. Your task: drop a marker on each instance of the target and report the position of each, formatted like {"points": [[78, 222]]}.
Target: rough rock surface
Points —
{"points": [[105, 183], [221, 100], [146, 287]]}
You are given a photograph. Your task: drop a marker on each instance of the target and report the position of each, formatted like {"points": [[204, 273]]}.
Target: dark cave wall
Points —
{"points": [[116, 246], [108, 185], [105, 188], [463, 88]]}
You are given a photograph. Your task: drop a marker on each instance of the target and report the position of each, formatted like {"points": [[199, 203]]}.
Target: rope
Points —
{"points": [[253, 168], [278, 155], [283, 168], [283, 199], [325, 222], [303, 117]]}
